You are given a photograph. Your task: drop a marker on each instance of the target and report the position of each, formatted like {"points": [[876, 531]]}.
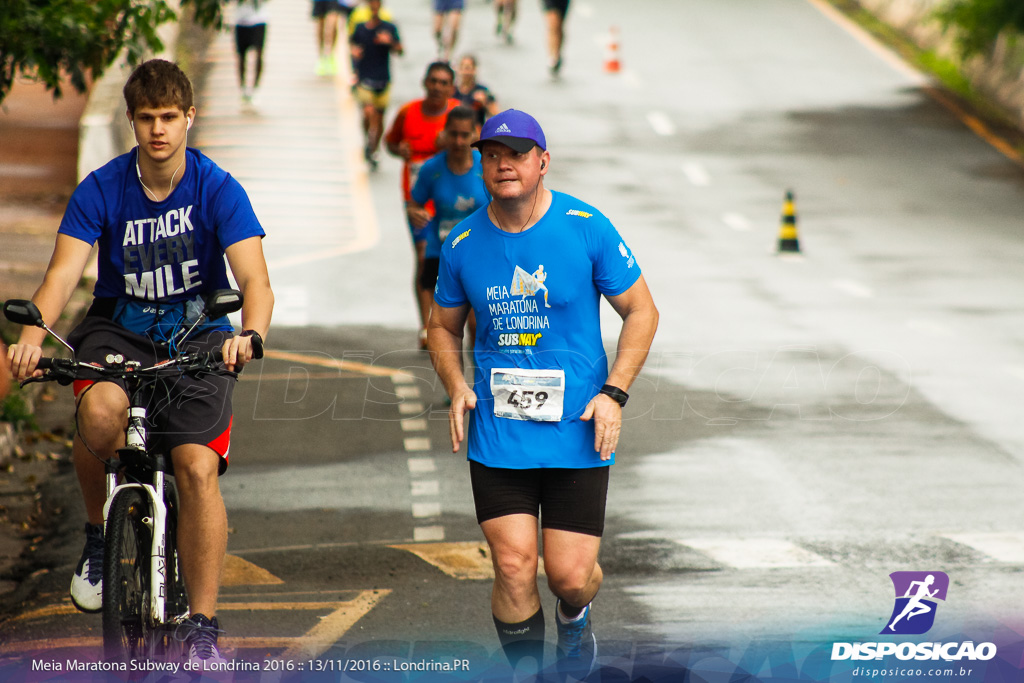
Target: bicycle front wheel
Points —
{"points": [[126, 582]]}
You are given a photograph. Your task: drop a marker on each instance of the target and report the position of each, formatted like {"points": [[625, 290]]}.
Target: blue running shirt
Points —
{"points": [[455, 196], [169, 251], [537, 298]]}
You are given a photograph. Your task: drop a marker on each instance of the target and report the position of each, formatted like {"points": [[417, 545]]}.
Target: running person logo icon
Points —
{"points": [[540, 276], [528, 284], [916, 596]]}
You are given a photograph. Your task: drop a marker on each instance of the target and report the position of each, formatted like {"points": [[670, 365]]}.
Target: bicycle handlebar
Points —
{"points": [[66, 370]]}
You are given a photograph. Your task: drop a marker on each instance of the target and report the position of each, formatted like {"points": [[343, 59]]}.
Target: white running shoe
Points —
{"points": [[87, 582]]}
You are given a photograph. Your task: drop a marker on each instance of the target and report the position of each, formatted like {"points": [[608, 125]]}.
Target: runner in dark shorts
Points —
{"points": [[328, 17], [555, 11], [560, 6], [321, 8]]}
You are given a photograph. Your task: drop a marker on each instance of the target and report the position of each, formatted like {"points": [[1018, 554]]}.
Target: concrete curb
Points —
{"points": [[998, 76]]}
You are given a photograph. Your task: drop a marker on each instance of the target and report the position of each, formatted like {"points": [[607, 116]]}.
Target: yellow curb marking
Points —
{"points": [[352, 366], [332, 627], [313, 643], [239, 572], [465, 560], [289, 376], [975, 124]]}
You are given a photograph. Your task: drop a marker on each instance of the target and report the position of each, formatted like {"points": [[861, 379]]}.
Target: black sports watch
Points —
{"points": [[616, 394], [257, 342]]}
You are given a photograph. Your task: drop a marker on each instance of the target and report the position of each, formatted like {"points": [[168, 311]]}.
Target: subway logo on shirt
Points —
{"points": [[514, 339]]}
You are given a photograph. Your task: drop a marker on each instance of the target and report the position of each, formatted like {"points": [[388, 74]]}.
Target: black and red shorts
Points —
{"points": [[181, 410]]}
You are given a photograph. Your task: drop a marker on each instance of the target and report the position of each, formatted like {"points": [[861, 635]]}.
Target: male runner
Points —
{"points": [[372, 43], [413, 136], [447, 16], [164, 217], [545, 410], [555, 11], [453, 181], [327, 14]]}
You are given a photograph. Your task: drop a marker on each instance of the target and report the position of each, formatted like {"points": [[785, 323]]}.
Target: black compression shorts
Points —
{"points": [[565, 499]]}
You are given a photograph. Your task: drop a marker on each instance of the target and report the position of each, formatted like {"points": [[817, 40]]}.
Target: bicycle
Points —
{"points": [[144, 596]]}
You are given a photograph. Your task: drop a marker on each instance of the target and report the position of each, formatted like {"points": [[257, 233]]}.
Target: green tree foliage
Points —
{"points": [[979, 22], [46, 39]]}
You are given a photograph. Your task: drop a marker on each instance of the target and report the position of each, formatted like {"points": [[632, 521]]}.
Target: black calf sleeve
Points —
{"points": [[522, 640]]}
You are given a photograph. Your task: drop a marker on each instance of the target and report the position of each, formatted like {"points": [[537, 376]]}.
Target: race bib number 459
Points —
{"points": [[524, 394]]}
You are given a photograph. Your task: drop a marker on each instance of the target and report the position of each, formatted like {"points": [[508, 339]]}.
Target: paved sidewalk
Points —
{"points": [[297, 149]]}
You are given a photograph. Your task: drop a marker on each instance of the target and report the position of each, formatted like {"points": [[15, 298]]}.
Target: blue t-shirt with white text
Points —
{"points": [[168, 251], [537, 296]]}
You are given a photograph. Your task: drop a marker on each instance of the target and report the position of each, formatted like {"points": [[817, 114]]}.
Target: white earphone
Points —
{"points": [[189, 125]]}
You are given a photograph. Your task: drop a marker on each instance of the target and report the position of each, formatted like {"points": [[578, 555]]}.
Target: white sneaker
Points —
{"points": [[87, 582], [200, 637]]}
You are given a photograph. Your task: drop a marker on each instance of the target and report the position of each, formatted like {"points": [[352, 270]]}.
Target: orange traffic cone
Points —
{"points": [[611, 63], [788, 240]]}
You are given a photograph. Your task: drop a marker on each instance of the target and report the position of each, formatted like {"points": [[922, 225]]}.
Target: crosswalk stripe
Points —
{"points": [[1005, 547], [756, 553]]}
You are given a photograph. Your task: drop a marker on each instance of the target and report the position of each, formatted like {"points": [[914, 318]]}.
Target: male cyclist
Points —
{"points": [[164, 216]]}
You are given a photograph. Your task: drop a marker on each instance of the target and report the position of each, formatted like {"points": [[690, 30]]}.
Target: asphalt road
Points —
{"points": [[805, 426]]}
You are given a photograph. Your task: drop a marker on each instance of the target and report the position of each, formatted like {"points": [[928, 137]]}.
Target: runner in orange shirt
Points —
{"points": [[413, 136]]}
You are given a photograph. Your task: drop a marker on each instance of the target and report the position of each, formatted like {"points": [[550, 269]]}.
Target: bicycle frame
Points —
{"points": [[136, 441], [141, 470]]}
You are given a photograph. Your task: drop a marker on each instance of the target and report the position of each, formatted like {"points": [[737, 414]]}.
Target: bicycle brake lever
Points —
{"points": [[60, 379]]}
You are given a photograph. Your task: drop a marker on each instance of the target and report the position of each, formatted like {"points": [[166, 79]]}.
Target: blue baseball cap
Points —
{"points": [[513, 128]]}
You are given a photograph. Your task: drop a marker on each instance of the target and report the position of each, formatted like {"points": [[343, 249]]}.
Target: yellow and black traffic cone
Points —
{"points": [[788, 240]]}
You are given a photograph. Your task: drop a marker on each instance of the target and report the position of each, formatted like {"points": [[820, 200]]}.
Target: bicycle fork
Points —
{"points": [[157, 523]]}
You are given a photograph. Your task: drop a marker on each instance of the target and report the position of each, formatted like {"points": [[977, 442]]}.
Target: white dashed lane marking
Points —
{"points": [[736, 221], [696, 174], [418, 424], [853, 288], [417, 443], [422, 465], [430, 487], [661, 123]]}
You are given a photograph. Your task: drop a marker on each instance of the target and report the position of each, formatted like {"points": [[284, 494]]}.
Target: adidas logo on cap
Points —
{"points": [[503, 128]]}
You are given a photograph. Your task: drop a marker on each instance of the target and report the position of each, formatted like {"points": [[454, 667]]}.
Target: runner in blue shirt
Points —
{"points": [[164, 217], [545, 410], [453, 179]]}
